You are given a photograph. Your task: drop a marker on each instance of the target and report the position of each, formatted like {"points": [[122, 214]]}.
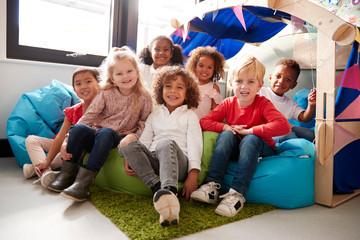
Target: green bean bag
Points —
{"points": [[285, 180]]}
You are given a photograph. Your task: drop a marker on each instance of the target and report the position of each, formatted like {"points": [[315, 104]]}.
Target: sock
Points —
{"points": [[156, 187], [172, 189]]}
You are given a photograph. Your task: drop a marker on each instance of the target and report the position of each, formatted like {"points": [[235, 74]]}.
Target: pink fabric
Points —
{"points": [[111, 109]]}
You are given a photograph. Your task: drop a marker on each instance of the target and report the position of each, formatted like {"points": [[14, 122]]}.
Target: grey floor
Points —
{"points": [[29, 211]]}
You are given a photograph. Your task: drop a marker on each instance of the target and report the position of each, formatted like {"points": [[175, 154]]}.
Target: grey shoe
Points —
{"points": [[79, 190], [167, 205], [207, 193], [66, 177]]}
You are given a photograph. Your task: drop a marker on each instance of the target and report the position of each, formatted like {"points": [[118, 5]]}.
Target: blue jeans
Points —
{"points": [[297, 132], [246, 152], [98, 143], [167, 161]]}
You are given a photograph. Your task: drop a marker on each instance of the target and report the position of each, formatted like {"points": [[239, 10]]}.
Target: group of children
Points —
{"points": [[164, 147]]}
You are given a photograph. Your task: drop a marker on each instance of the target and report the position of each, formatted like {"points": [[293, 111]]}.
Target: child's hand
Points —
{"points": [[312, 97], [229, 128], [64, 154], [190, 184], [128, 169], [42, 165]]}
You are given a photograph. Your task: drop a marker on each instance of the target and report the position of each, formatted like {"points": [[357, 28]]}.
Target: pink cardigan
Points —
{"points": [[111, 109]]}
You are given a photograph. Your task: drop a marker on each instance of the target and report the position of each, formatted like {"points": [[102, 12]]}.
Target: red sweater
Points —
{"points": [[261, 115]]}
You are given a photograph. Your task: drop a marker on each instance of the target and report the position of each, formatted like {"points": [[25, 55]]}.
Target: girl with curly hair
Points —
{"points": [[170, 148], [208, 66]]}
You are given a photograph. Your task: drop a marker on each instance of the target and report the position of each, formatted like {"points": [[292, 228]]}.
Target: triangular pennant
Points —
{"points": [[357, 37], [179, 32], [350, 78], [342, 137], [214, 14], [239, 14], [352, 111], [297, 23], [186, 30]]}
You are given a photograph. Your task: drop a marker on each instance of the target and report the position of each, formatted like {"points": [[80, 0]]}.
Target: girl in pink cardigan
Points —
{"points": [[117, 114]]}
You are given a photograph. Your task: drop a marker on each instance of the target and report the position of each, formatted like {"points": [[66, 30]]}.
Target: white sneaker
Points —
{"points": [[48, 178], [29, 170], [167, 205], [231, 204], [208, 193]]}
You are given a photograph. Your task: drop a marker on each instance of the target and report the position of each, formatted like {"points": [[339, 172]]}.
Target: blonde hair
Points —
{"points": [[107, 67], [169, 73], [219, 61], [249, 65]]}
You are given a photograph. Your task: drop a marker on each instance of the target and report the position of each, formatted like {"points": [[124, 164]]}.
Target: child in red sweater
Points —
{"points": [[246, 134]]}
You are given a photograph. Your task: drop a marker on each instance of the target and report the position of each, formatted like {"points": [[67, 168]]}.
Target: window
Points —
{"points": [[78, 32]]}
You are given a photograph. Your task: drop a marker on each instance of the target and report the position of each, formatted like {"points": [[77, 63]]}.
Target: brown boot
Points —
{"points": [[66, 177], [79, 190]]}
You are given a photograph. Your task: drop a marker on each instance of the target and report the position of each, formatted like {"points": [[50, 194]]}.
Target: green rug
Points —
{"points": [[136, 217]]}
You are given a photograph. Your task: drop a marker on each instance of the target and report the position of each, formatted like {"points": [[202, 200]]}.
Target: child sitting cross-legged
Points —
{"points": [[170, 148], [250, 123]]}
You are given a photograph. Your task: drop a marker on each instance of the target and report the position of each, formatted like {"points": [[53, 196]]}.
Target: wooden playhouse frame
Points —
{"points": [[331, 30]]}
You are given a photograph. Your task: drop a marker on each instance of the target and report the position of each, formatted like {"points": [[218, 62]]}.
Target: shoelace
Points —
{"points": [[231, 197]]}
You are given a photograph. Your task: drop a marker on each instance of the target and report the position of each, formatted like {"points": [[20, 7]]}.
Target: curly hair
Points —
{"points": [[169, 73], [219, 61], [177, 56], [291, 63]]}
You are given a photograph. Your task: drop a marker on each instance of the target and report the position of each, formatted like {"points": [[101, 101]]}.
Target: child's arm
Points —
{"points": [[194, 144], [56, 145], [190, 184], [216, 100], [213, 120], [308, 114], [275, 124], [145, 111]]}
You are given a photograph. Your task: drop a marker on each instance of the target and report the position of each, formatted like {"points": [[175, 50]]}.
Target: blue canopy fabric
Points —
{"points": [[226, 33]]}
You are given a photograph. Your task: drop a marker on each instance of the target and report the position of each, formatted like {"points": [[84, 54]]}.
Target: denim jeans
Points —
{"points": [[167, 161], [98, 143], [246, 152], [297, 132]]}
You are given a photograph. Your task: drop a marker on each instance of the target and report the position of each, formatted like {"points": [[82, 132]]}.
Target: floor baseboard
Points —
{"points": [[5, 149]]}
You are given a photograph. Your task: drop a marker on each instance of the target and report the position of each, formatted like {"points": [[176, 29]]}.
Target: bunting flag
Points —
{"points": [[239, 14], [297, 23], [180, 32], [186, 30], [346, 137], [350, 78], [357, 37], [214, 14], [352, 111]]}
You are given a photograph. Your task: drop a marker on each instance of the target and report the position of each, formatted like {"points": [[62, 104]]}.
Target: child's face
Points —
{"points": [[174, 93], [245, 88], [282, 79], [86, 86], [204, 69], [124, 76], [161, 53]]}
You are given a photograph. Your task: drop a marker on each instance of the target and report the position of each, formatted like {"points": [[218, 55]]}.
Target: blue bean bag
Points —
{"points": [[40, 113], [285, 180]]}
